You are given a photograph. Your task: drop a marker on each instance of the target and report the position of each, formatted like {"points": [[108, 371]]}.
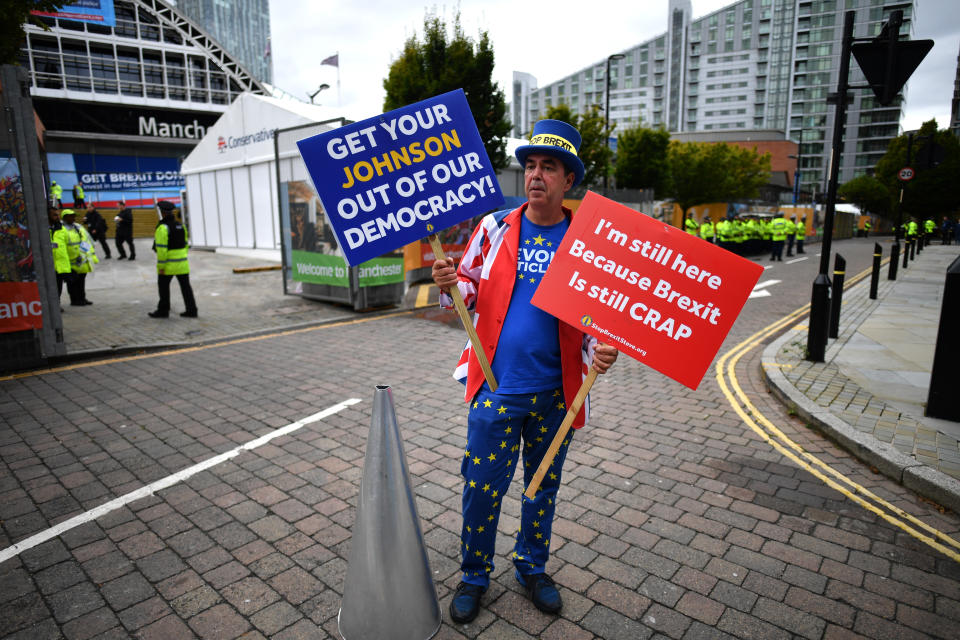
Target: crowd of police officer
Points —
{"points": [[752, 235], [74, 253]]}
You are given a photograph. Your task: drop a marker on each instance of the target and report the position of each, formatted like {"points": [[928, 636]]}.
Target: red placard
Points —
{"points": [[20, 308], [662, 296]]}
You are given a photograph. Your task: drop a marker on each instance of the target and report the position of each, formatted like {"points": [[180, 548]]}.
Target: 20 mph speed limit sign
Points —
{"points": [[906, 174]]}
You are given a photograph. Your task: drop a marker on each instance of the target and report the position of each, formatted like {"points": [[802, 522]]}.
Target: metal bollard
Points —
{"points": [[921, 239], [839, 268], [894, 260], [942, 397], [913, 249], [875, 274], [906, 254]]}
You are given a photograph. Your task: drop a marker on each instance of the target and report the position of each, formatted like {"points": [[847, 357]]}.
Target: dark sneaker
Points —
{"points": [[465, 604], [542, 591], [158, 314], [188, 314]]}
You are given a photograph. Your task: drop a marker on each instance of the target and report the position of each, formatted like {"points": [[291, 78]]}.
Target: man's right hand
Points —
{"points": [[444, 274]]}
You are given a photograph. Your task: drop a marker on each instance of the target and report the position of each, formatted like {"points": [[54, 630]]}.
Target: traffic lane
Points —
{"points": [[671, 509]]}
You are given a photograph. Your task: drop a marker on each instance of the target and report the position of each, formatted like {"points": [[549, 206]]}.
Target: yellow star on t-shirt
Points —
{"points": [[502, 409], [473, 483], [487, 403], [539, 240], [503, 444], [527, 241], [508, 430], [492, 457], [533, 400], [520, 275], [476, 460], [532, 280]]}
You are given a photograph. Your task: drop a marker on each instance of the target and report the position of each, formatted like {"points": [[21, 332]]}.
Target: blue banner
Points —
{"points": [[95, 11], [392, 179], [117, 173]]}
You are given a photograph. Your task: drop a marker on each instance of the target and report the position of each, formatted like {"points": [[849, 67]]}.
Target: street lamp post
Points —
{"points": [[606, 115], [319, 89], [796, 173]]}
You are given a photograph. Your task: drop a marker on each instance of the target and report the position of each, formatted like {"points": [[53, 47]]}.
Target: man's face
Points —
{"points": [[546, 179], [53, 216]]}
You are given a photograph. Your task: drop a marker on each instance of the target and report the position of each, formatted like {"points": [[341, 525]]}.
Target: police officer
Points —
{"points": [[61, 259], [170, 243], [778, 233], [791, 234], [56, 195], [79, 198], [801, 235], [706, 229], [691, 225], [82, 257]]}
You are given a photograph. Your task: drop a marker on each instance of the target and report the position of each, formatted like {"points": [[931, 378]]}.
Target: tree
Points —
{"points": [[642, 159], [868, 194], [933, 191], [16, 13], [702, 172], [439, 64], [594, 152]]}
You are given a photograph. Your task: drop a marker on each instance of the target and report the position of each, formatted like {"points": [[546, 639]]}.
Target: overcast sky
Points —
{"points": [[547, 40]]}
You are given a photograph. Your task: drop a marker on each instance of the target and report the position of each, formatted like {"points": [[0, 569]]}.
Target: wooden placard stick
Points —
{"points": [[572, 412], [465, 319]]}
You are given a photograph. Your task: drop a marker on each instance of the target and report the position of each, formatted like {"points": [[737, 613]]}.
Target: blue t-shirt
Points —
{"points": [[528, 352]]}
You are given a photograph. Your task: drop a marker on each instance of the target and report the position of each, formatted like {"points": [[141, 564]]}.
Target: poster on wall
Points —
{"points": [[314, 257], [20, 308], [106, 179], [95, 11]]}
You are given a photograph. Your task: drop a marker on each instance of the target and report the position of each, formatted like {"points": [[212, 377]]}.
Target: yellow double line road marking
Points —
{"points": [[763, 427]]}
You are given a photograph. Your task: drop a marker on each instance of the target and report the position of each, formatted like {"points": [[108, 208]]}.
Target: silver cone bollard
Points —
{"points": [[389, 591]]}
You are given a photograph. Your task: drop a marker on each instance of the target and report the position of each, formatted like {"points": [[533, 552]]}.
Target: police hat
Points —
{"points": [[67, 212], [166, 206]]}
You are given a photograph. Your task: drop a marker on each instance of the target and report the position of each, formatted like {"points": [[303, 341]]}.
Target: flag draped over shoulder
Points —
{"points": [[333, 61]]}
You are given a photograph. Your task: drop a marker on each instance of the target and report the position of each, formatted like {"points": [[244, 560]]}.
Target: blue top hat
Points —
{"points": [[556, 138]]}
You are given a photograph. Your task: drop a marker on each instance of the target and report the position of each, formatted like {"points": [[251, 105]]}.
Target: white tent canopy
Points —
{"points": [[231, 185]]}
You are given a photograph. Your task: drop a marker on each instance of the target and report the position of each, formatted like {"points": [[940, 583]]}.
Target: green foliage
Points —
{"points": [[441, 63], [867, 193], [702, 172], [16, 13], [933, 191], [642, 159], [594, 152]]}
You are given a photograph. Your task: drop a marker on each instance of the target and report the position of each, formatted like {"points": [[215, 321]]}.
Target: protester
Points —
{"points": [[539, 364]]}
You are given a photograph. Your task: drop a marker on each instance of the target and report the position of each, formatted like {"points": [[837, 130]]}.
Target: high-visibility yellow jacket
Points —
{"points": [[929, 226], [706, 229], [80, 249], [912, 228], [801, 229], [171, 242], [56, 191], [778, 229], [691, 226], [791, 227], [58, 242]]}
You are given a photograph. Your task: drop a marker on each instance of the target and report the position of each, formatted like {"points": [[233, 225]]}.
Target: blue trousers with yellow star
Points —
{"points": [[499, 426]]}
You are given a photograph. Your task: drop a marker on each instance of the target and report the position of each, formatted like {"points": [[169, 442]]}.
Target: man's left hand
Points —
{"points": [[603, 356]]}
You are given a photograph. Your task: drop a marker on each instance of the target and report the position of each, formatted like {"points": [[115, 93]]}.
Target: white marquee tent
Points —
{"points": [[231, 175]]}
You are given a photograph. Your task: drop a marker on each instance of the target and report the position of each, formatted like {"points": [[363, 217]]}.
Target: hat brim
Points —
{"points": [[570, 161]]}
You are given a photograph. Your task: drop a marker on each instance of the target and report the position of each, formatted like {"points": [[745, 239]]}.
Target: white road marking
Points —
{"points": [[759, 289], [163, 483], [796, 260]]}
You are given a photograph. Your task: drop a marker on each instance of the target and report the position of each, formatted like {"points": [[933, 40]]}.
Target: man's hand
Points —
{"points": [[160, 272], [603, 356], [444, 274]]}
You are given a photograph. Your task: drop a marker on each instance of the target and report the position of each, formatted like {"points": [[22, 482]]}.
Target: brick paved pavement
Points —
{"points": [[675, 520]]}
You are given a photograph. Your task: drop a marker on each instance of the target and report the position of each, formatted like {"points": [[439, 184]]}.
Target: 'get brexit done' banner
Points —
{"points": [[662, 296], [390, 180]]}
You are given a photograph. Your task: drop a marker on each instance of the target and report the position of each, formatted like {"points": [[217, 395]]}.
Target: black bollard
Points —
{"points": [[875, 274], [906, 254], [913, 249], [942, 397], [839, 268], [894, 260], [920, 242]]}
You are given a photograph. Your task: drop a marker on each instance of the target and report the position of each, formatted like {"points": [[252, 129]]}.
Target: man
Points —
{"points": [[124, 220], [691, 225], [61, 258], [866, 228], [97, 227], [791, 234], [79, 198], [539, 364], [801, 235], [706, 229], [170, 243], [778, 233], [82, 257], [56, 195]]}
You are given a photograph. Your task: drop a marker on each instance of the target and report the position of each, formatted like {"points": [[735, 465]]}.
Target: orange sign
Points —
{"points": [[20, 308], [662, 296]]}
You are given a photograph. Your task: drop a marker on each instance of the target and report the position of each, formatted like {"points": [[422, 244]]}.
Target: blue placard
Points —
{"points": [[390, 180], [95, 11]]}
